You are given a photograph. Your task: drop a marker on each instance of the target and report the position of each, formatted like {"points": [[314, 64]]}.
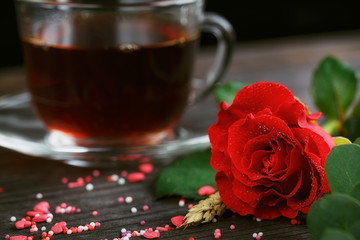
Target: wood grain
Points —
{"points": [[289, 61]]}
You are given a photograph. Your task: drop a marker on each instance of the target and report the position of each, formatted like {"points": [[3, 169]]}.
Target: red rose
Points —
{"points": [[269, 153]]}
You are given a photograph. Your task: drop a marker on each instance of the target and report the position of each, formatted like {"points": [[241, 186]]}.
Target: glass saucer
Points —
{"points": [[22, 131]]}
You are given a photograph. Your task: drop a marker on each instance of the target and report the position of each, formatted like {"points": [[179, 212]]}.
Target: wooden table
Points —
{"points": [[290, 61]]}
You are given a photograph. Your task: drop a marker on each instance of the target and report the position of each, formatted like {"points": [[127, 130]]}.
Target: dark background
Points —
{"points": [[252, 20]]}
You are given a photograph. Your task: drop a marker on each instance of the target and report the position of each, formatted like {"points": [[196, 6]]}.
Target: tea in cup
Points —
{"points": [[113, 72]]}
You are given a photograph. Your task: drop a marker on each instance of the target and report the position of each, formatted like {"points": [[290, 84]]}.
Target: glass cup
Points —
{"points": [[116, 73]]}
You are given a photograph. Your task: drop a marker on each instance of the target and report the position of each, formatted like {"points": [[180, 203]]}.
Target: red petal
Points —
{"points": [[258, 96], [225, 188]]}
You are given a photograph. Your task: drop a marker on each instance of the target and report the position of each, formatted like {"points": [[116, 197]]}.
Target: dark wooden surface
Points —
{"points": [[290, 61]]}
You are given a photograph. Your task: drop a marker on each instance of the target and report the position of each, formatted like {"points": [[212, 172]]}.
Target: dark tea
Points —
{"points": [[128, 87]]}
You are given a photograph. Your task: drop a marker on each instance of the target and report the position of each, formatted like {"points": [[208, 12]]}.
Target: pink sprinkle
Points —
{"points": [[124, 173], [40, 218], [146, 168], [22, 224], [206, 190], [33, 213], [18, 238], [177, 220], [120, 199], [58, 227], [232, 226], [64, 180], [162, 229], [96, 173], [142, 222], [136, 177], [258, 237], [7, 236], [79, 183], [217, 233], [97, 224], [145, 208], [94, 213], [42, 207], [190, 206], [151, 235]]}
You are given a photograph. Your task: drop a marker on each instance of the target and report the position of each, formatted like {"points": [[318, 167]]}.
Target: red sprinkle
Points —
{"points": [[293, 221], [136, 177], [146, 168], [1, 189], [177, 220], [206, 190], [151, 235]]}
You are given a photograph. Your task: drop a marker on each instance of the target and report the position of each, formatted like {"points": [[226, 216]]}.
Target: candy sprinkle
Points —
{"points": [[177, 220], [39, 196], [206, 190], [136, 177], [151, 234]]}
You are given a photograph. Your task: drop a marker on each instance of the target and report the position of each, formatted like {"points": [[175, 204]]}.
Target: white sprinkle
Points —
{"points": [[129, 199], [39, 196], [69, 231], [43, 228], [260, 234], [134, 210], [62, 210], [123, 230], [115, 177], [254, 235], [50, 215], [38, 214], [51, 232], [121, 181], [142, 232], [125, 238], [92, 224], [214, 220], [181, 203], [89, 187], [13, 219], [86, 228], [49, 220]]}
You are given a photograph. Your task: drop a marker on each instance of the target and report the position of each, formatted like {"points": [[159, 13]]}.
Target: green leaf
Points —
{"points": [[186, 176], [356, 110], [342, 168], [336, 234], [357, 141], [352, 127], [355, 192], [341, 141], [355, 229], [333, 87], [227, 91], [335, 210]]}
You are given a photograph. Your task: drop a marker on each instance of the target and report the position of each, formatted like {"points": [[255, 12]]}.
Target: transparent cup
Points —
{"points": [[107, 73]]}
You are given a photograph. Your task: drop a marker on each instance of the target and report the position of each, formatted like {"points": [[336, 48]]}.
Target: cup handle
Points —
{"points": [[223, 31]]}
